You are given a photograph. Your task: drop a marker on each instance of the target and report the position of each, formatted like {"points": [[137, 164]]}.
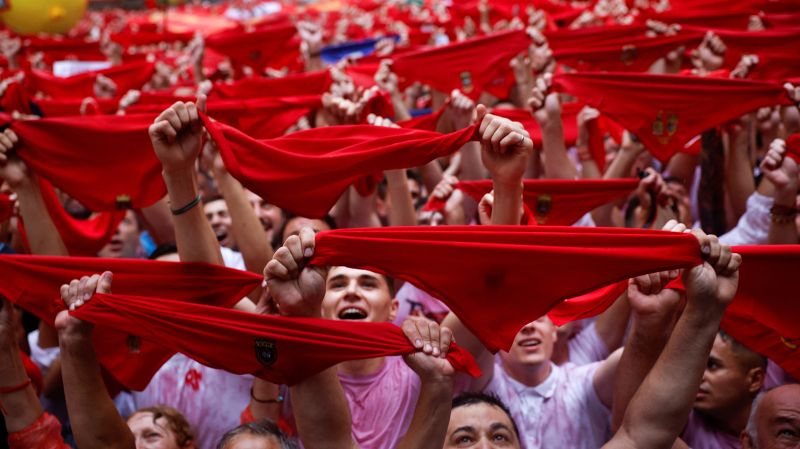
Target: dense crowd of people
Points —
{"points": [[403, 224]]}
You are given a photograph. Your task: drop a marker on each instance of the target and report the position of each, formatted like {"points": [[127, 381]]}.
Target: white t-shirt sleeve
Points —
{"points": [[753, 225], [232, 259]]}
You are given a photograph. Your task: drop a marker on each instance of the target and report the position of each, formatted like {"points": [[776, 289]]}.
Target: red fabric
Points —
{"points": [[634, 55], [793, 147], [233, 340], [128, 39], [261, 118], [507, 276], [426, 122], [557, 202], [311, 83], [81, 237], [306, 172], [44, 433], [471, 66], [763, 315], [55, 49], [112, 154], [70, 106], [128, 76], [33, 372], [588, 305], [16, 98], [6, 207], [37, 280], [271, 46], [666, 111]]}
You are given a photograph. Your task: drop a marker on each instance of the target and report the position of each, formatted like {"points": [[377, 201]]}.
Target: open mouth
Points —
{"points": [[352, 313], [115, 244], [221, 235], [530, 343]]}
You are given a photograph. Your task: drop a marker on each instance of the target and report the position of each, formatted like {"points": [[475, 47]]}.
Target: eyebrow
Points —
{"points": [[498, 425], [465, 429]]}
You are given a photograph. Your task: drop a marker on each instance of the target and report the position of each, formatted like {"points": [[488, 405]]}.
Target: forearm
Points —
{"points": [[43, 236], [158, 220], [245, 225], [611, 324], [686, 351], [471, 169], [362, 213], [431, 174], [401, 212], [94, 418], [428, 428], [261, 400], [193, 235], [322, 413], [739, 172], [782, 230], [400, 109], [507, 203], [557, 165], [469, 342], [20, 408]]}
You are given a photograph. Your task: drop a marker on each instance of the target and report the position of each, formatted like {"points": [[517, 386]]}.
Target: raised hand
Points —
{"points": [[77, 293], [432, 343], [12, 168], [780, 169], [460, 110], [712, 284], [544, 105], [175, 135], [296, 288], [505, 147]]}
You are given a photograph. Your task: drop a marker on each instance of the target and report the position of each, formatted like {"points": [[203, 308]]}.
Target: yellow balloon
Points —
{"points": [[42, 16]]}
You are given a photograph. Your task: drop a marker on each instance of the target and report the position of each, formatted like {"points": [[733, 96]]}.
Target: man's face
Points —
{"points": [[480, 426], [151, 435], [358, 295], [125, 240], [269, 215], [250, 441], [725, 382], [778, 420], [533, 345], [217, 215]]}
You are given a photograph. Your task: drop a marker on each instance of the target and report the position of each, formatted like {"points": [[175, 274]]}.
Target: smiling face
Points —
{"points": [[480, 425], [533, 345], [359, 295], [216, 212]]}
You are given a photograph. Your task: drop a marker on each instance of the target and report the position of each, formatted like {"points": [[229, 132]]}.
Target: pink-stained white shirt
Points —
{"points": [[562, 412], [700, 435], [211, 400], [381, 404], [587, 347], [414, 300]]}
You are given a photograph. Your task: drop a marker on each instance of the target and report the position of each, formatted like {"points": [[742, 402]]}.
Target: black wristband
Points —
{"points": [[277, 400], [187, 207]]}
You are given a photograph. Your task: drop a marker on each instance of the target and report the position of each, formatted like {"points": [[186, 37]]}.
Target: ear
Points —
{"points": [[755, 379], [746, 440], [394, 306]]}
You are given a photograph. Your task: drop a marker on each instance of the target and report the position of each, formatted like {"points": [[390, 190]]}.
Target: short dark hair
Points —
{"points": [[470, 398], [748, 358], [264, 427], [175, 421], [277, 236]]}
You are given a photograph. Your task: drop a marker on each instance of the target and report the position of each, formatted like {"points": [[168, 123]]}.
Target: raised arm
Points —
{"points": [[781, 171], [505, 150], [297, 289], [546, 109], [709, 288], [96, 423], [176, 135]]}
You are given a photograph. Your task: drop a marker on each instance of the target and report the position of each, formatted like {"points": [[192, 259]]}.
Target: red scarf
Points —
{"points": [[557, 202], [507, 276], [666, 111], [261, 118], [70, 106], [81, 237], [128, 76], [282, 350], [311, 83], [472, 66], [6, 207], [140, 38], [793, 147], [271, 46], [307, 171], [37, 280], [104, 162]]}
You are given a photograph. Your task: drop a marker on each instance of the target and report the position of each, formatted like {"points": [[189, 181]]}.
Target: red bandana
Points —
{"points": [[249, 49], [81, 237], [306, 172], [471, 66], [282, 350], [311, 83], [557, 202], [128, 76], [104, 162], [507, 276], [793, 147], [6, 207], [37, 280], [666, 111]]}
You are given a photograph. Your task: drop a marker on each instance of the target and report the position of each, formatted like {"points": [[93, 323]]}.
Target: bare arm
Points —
{"points": [[781, 172], [158, 220], [175, 136], [739, 179], [710, 287], [95, 420], [620, 167], [546, 109], [402, 211]]}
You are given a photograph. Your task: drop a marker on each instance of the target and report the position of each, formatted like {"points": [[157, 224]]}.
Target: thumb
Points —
{"points": [[481, 111], [104, 285], [201, 103]]}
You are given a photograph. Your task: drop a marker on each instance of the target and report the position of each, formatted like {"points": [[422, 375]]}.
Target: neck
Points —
{"points": [[730, 420], [361, 367], [529, 375]]}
